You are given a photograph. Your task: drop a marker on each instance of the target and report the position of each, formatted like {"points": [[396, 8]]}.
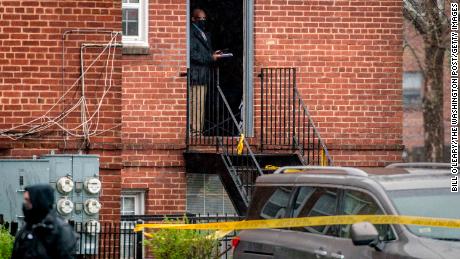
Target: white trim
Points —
{"points": [[139, 200], [142, 40]]}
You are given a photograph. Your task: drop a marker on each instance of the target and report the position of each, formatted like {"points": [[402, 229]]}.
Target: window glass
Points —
{"points": [[130, 22], [132, 203], [270, 202], [206, 194], [429, 202], [316, 201], [360, 203], [412, 85], [135, 22], [128, 205], [302, 196]]}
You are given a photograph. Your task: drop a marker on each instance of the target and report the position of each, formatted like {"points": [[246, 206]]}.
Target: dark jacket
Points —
{"points": [[200, 56], [45, 235]]}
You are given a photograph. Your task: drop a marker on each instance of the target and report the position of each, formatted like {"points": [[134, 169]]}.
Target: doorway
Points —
{"points": [[230, 26]]}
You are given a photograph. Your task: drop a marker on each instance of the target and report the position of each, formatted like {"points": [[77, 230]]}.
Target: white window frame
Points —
{"points": [[139, 209], [142, 40], [139, 203]]}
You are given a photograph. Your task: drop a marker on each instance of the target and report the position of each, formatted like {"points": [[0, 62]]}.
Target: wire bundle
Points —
{"points": [[89, 122]]}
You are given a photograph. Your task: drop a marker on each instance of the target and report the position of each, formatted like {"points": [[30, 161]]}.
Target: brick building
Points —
{"points": [[347, 54], [413, 131]]}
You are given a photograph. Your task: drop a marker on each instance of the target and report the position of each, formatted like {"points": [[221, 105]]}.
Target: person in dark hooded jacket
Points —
{"points": [[45, 234]]}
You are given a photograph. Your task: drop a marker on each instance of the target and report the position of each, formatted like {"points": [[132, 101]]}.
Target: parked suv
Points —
{"points": [[401, 189]]}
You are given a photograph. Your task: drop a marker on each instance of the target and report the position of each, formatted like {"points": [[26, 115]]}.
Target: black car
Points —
{"points": [[415, 190]]}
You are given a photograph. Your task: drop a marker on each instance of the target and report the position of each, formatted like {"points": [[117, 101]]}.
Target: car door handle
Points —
{"points": [[337, 256], [320, 252]]}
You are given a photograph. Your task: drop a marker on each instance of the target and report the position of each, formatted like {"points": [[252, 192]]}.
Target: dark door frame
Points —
{"points": [[248, 63]]}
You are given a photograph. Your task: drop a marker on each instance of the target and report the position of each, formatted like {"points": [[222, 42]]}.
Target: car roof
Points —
{"points": [[399, 177]]}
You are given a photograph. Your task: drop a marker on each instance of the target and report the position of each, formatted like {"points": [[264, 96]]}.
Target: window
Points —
{"points": [[270, 202], [360, 203], [313, 202], [277, 205], [206, 194], [412, 88], [135, 23], [132, 203]]}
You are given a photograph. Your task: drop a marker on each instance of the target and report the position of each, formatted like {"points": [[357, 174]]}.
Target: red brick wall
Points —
{"points": [[349, 58], [348, 54], [31, 82], [165, 188], [154, 110]]}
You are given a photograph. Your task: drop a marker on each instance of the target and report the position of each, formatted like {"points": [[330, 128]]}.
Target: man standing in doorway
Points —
{"points": [[201, 59]]}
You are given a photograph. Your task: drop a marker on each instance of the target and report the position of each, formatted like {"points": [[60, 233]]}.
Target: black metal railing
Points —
{"points": [[108, 240], [285, 122], [105, 240], [211, 121], [207, 116], [12, 227], [224, 243]]}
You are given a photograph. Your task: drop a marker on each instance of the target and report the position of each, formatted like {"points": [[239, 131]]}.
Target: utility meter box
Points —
{"points": [[75, 179], [15, 174], [77, 184]]}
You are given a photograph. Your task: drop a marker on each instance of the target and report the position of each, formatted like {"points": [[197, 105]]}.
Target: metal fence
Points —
{"points": [[225, 242], [110, 240], [208, 113], [102, 240], [285, 122]]}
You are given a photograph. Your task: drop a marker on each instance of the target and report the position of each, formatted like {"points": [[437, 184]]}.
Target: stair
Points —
{"points": [[240, 194], [287, 135]]}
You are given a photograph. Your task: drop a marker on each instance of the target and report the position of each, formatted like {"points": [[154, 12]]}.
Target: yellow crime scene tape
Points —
{"points": [[287, 171], [308, 222], [240, 146]]}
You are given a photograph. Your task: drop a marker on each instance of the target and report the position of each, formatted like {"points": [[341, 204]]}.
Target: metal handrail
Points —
{"points": [[323, 146], [250, 153], [246, 144], [285, 119], [348, 170], [220, 128]]}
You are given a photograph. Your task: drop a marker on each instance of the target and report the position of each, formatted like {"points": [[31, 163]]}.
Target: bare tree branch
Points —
{"points": [[414, 53], [412, 12]]}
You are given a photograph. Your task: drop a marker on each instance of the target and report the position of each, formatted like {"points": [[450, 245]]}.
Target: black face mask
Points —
{"points": [[42, 200], [28, 214], [201, 24], [33, 216]]}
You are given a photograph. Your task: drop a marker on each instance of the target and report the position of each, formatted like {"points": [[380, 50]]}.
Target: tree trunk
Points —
{"points": [[433, 103]]}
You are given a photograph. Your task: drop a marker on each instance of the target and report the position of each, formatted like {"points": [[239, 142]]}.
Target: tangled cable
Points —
{"points": [[89, 125]]}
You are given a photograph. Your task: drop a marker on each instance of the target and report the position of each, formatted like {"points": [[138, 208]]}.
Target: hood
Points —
{"points": [[442, 248], [42, 199]]}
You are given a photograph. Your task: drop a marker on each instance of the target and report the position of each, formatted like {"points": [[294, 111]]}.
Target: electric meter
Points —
{"points": [[93, 226], [64, 206], [93, 185], [64, 185], [92, 206]]}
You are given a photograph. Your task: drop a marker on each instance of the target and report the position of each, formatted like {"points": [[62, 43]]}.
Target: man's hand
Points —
{"points": [[216, 55]]}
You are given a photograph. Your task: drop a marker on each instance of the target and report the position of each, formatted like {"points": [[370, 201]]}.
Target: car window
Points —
{"points": [[270, 202], [429, 202], [361, 203], [316, 201]]}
